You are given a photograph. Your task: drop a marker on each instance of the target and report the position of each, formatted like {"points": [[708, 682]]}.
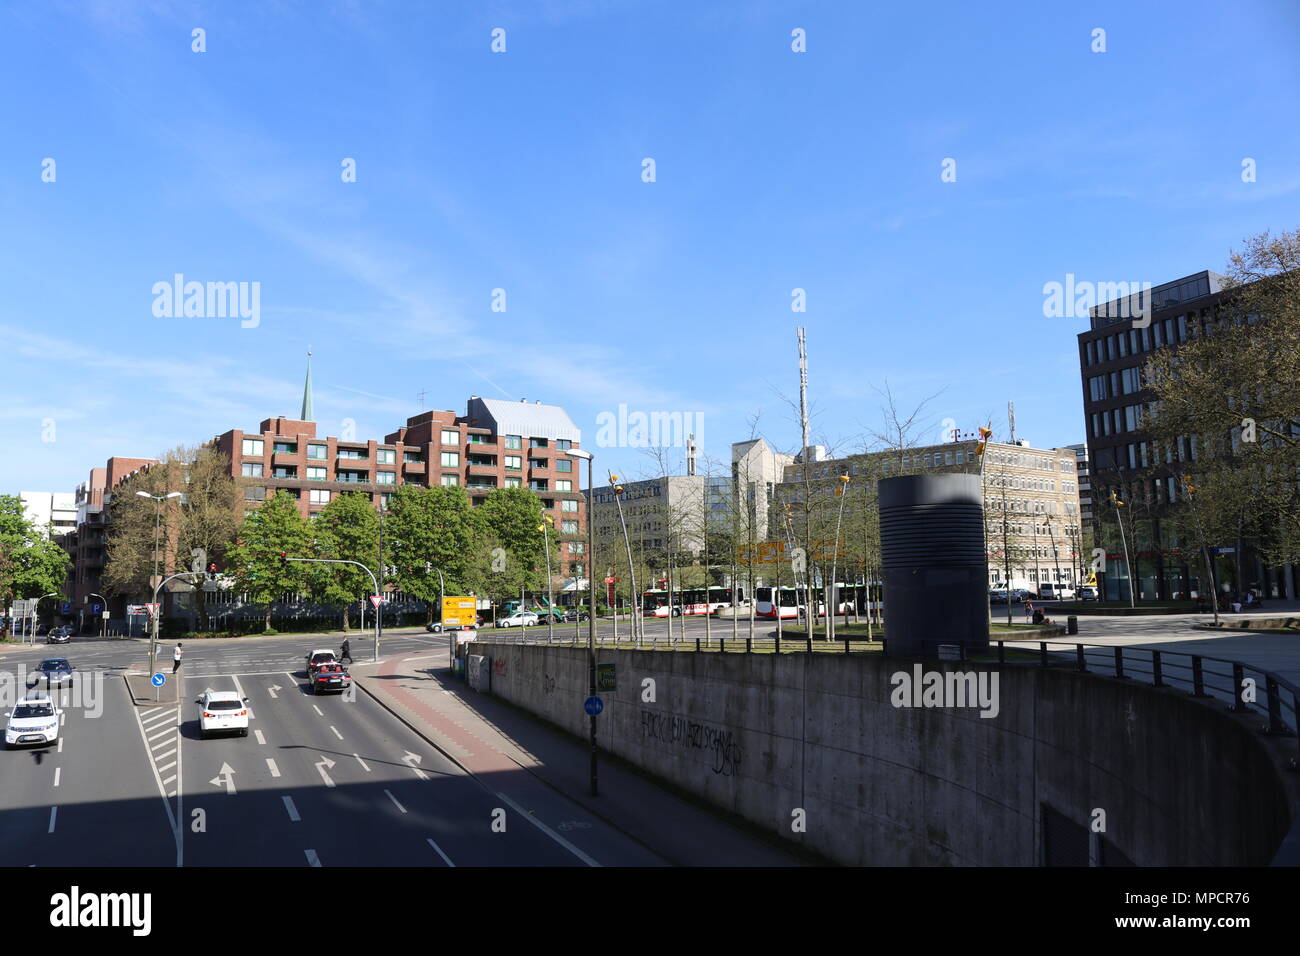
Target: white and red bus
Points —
{"points": [[793, 601], [689, 601]]}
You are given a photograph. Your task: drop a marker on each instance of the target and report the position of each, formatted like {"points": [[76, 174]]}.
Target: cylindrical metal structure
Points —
{"points": [[936, 571]]}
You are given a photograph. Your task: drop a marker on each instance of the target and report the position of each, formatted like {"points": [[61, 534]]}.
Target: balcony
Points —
{"points": [[353, 454], [353, 478], [482, 468]]}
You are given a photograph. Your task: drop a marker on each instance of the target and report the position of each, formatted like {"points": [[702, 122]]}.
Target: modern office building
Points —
{"points": [[1031, 499], [53, 512], [1085, 482], [1122, 457], [756, 469], [661, 514]]}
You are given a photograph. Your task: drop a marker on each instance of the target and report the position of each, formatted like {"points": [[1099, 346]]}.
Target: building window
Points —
{"points": [[570, 526], [568, 505], [563, 444], [1092, 353], [514, 483], [386, 477], [285, 471], [450, 481], [514, 441], [450, 437], [285, 448], [576, 569], [386, 497], [947, 460], [537, 462], [318, 452], [319, 496], [451, 459], [252, 469], [577, 547], [316, 473], [563, 464], [353, 453], [537, 443], [562, 485], [386, 456], [253, 446], [514, 462]]}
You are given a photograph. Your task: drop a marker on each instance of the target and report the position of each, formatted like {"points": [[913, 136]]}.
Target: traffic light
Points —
{"points": [[212, 572], [843, 486], [985, 435]]}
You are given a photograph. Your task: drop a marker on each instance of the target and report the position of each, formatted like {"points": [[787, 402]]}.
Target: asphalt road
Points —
{"points": [[319, 781]]}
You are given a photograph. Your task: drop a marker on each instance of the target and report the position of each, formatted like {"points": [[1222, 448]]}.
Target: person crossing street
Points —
{"points": [[176, 658], [345, 652]]}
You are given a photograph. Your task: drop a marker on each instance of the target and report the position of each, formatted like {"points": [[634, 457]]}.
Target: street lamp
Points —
{"points": [[582, 453], [157, 519], [550, 592], [1119, 516], [105, 607]]}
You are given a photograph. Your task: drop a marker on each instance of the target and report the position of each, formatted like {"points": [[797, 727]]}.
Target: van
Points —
{"points": [[1049, 591]]}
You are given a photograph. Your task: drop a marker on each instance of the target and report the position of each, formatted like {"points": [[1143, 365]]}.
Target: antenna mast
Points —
{"points": [[803, 394], [1011, 420]]}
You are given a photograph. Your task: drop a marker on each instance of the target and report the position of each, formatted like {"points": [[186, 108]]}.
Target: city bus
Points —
{"points": [[690, 601], [851, 597]]}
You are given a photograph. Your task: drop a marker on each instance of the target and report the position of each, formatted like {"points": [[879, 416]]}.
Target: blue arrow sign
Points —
{"points": [[158, 680], [593, 706]]}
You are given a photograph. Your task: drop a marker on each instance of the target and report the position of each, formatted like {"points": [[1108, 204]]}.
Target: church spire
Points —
{"points": [[306, 415]]}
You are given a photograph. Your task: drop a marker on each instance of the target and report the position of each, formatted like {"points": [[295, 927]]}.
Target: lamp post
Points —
{"points": [[842, 492], [378, 620], [550, 591], [36, 612], [105, 606], [591, 610], [157, 612], [1119, 516]]}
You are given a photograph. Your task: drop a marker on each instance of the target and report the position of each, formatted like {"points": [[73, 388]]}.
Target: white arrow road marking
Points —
{"points": [[260, 739], [312, 858], [54, 812], [322, 765], [228, 773], [362, 762], [293, 811], [411, 760], [273, 689], [394, 799], [440, 853], [275, 771]]}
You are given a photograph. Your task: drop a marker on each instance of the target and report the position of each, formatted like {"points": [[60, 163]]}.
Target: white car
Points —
{"points": [[223, 711], [35, 720], [518, 619]]}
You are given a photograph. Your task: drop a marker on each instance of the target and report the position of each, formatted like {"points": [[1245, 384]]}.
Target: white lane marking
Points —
{"points": [[260, 739], [394, 799], [164, 756], [275, 771], [548, 831], [225, 778], [336, 733], [54, 812], [60, 745], [293, 811], [159, 734], [163, 785], [240, 689], [317, 709], [152, 717], [167, 766], [312, 859], [322, 765], [440, 853], [169, 780], [362, 762], [58, 771], [411, 760]]}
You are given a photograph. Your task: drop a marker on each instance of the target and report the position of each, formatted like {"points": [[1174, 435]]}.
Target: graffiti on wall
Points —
{"points": [[683, 732]]}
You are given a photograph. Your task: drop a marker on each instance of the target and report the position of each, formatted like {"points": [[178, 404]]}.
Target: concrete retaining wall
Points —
{"points": [[782, 738]]}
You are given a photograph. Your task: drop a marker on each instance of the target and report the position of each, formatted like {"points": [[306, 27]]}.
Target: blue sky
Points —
{"points": [[522, 171]]}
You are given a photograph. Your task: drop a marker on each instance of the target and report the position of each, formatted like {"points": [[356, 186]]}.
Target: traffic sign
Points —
{"points": [[459, 611], [593, 706], [605, 677], [376, 599], [96, 608], [158, 680]]}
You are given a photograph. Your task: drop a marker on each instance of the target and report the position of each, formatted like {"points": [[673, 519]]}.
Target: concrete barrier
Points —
{"points": [[827, 751]]}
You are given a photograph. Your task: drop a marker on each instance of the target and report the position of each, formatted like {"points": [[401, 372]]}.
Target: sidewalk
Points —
{"points": [[487, 736]]}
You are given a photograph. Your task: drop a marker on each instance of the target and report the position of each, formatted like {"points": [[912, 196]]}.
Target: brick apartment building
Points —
{"points": [[495, 444]]}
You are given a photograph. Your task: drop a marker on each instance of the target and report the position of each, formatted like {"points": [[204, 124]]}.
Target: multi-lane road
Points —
{"points": [[319, 781]]}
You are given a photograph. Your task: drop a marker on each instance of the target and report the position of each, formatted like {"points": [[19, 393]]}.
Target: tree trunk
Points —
{"points": [[268, 617], [347, 624]]}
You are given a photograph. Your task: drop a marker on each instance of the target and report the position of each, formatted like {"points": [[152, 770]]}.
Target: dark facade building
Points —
{"points": [[1122, 458]]}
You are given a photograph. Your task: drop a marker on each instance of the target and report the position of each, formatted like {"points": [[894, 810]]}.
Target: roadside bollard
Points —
{"points": [[1071, 625]]}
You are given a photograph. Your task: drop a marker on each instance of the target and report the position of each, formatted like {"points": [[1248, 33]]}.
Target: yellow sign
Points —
{"points": [[462, 611]]}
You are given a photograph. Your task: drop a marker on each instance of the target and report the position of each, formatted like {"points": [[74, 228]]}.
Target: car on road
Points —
{"points": [[223, 711], [576, 614], [318, 657], [997, 596], [54, 670], [1088, 592], [437, 627], [35, 720], [59, 635], [330, 677], [1049, 591], [518, 619]]}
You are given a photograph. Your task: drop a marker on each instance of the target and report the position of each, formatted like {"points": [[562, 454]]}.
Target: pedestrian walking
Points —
{"points": [[176, 658], [1029, 610], [345, 652]]}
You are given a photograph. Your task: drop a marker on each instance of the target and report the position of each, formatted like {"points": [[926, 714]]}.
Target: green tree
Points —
{"points": [[429, 530], [31, 565], [512, 517], [348, 530], [273, 529]]}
